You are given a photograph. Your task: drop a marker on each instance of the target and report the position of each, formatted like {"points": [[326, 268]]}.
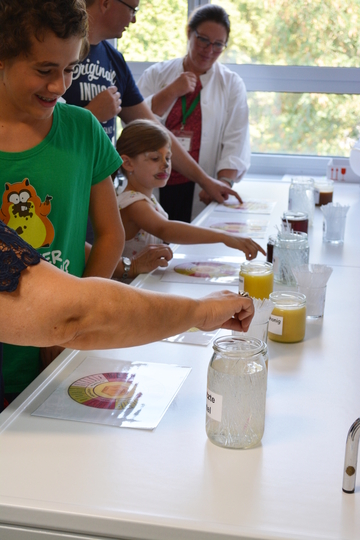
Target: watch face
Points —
{"points": [[127, 265]]}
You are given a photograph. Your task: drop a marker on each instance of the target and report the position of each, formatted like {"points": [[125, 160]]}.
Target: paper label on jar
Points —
{"points": [[276, 325], [241, 283], [214, 405]]}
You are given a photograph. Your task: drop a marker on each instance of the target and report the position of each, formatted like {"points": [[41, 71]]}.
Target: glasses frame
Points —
{"points": [[199, 37], [133, 10]]}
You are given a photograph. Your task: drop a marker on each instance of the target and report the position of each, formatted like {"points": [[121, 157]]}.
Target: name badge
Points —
{"points": [[184, 138]]}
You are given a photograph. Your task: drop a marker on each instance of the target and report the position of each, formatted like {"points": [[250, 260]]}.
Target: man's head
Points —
{"points": [[108, 19], [23, 20]]}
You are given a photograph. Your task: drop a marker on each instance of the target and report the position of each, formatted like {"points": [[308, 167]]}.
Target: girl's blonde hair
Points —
{"points": [[142, 136]]}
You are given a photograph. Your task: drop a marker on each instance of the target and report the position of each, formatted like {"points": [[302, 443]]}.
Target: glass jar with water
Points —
{"points": [[290, 249], [236, 392], [301, 196]]}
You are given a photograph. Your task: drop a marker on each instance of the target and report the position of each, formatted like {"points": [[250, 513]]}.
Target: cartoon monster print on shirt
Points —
{"points": [[23, 211]]}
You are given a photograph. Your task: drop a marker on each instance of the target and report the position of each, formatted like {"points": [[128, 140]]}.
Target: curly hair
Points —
{"points": [[21, 20]]}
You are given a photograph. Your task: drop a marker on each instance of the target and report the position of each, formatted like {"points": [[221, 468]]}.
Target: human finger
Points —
{"points": [[221, 191], [205, 197], [241, 320], [252, 249], [164, 252], [222, 310]]}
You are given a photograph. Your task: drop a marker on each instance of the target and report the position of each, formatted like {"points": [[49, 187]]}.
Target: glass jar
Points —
{"points": [[301, 196], [288, 319], [323, 192], [290, 249], [270, 249], [236, 392], [256, 278], [298, 221]]}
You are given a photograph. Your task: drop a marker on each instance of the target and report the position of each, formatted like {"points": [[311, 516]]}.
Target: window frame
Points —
{"points": [[266, 78], [274, 78]]}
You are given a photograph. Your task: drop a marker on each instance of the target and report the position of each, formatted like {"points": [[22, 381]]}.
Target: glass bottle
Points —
{"points": [[301, 196], [290, 249], [256, 278], [236, 392]]}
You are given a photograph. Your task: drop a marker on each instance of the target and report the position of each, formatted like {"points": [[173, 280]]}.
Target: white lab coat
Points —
{"points": [[225, 139]]}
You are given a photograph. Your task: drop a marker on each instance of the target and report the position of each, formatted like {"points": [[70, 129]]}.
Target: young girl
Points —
{"points": [[145, 149]]}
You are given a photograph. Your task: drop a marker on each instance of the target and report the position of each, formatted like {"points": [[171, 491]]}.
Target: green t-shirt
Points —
{"points": [[45, 198]]}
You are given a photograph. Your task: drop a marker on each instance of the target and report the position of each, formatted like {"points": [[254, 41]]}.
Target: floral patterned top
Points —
{"points": [[142, 238], [15, 256]]}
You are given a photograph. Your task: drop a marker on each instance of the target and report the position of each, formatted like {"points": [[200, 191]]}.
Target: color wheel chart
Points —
{"points": [[106, 391]]}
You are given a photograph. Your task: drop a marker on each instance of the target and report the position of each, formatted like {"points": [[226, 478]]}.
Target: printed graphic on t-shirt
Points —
{"points": [[94, 79], [23, 211]]}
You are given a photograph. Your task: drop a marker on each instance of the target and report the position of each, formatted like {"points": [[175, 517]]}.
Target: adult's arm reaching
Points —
{"points": [[50, 307]]}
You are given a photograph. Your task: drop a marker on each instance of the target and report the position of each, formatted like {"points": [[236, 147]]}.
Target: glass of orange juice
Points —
{"points": [[256, 278]]}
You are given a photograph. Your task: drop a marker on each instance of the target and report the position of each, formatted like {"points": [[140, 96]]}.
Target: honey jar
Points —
{"points": [[288, 318], [256, 278]]}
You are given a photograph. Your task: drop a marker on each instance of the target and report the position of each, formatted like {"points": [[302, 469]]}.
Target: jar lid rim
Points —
{"points": [[255, 345], [288, 299]]}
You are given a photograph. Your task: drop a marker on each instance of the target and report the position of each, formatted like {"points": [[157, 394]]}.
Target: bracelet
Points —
{"points": [[244, 294], [227, 180]]}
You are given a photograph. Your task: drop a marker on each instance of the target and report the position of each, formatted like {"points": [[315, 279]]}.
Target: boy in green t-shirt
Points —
{"points": [[55, 159]]}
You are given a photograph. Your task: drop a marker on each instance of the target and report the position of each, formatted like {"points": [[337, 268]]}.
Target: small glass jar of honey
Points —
{"points": [[256, 278], [288, 319]]}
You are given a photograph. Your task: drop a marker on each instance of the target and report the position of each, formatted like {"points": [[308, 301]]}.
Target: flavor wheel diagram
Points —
{"points": [[230, 227], [106, 391], [206, 269], [248, 206]]}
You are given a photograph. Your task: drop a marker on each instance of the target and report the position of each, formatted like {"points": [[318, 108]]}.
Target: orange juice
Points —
{"points": [[257, 279], [288, 318]]}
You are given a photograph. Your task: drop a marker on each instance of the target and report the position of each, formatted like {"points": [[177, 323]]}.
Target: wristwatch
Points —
{"points": [[127, 265], [227, 180]]}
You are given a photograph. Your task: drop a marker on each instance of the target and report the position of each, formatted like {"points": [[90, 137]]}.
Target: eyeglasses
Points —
{"points": [[133, 10], [204, 43]]}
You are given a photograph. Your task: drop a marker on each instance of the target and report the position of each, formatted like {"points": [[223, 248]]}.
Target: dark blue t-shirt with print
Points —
{"points": [[103, 67]]}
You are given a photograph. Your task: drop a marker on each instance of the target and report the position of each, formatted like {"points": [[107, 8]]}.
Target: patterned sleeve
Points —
{"points": [[15, 256]]}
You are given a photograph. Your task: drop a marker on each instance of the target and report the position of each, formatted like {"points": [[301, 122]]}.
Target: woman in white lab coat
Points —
{"points": [[204, 104]]}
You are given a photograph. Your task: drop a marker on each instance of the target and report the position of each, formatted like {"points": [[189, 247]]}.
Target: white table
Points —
{"points": [[61, 479]]}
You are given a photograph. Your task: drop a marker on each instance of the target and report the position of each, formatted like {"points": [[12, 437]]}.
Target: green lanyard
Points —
{"points": [[187, 113]]}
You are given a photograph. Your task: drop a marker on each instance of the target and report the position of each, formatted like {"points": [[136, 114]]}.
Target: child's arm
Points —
{"points": [[108, 231], [147, 218]]}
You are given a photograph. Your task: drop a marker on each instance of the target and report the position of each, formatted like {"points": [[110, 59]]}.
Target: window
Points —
{"points": [[299, 60]]}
